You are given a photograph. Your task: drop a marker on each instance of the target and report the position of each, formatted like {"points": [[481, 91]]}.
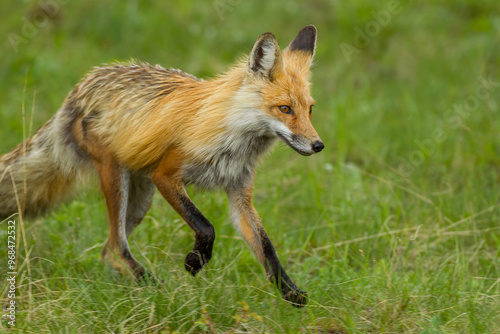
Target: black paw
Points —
{"points": [[297, 298], [194, 261]]}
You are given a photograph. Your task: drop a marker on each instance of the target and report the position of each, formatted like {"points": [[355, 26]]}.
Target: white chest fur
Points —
{"points": [[232, 165], [232, 159]]}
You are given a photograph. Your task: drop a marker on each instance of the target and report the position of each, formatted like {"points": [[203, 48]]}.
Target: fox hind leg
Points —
{"points": [[140, 197], [116, 183]]}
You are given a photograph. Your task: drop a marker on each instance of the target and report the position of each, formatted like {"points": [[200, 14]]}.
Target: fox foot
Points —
{"points": [[195, 261], [297, 298]]}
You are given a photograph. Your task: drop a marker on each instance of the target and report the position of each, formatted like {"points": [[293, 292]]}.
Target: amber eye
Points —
{"points": [[311, 110], [285, 109]]}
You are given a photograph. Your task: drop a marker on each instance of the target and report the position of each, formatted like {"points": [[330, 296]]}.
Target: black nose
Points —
{"points": [[317, 146]]}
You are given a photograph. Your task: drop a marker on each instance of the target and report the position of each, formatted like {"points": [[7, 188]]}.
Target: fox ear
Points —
{"points": [[305, 41], [265, 58]]}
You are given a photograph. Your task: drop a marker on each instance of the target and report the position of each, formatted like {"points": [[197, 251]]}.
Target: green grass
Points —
{"points": [[386, 236]]}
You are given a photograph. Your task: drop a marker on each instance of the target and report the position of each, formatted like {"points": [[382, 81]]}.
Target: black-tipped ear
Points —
{"points": [[265, 57], [305, 40]]}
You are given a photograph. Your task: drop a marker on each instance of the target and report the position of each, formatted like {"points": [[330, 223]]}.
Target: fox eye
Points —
{"points": [[285, 109], [311, 110]]}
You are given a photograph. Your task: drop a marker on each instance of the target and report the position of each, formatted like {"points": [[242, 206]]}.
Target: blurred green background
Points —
{"points": [[393, 228]]}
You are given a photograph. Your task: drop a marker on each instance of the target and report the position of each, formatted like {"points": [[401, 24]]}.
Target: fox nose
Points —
{"points": [[317, 146]]}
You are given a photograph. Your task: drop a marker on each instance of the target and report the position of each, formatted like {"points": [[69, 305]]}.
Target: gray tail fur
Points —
{"points": [[41, 172]]}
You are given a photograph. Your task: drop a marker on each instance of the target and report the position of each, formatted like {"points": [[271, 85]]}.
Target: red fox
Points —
{"points": [[141, 126]]}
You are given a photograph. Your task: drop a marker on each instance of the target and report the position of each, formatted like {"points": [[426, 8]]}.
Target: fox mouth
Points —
{"points": [[290, 143]]}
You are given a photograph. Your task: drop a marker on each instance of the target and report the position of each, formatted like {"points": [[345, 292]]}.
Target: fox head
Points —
{"points": [[282, 79]]}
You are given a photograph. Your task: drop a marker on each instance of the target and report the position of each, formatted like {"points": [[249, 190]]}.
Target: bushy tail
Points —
{"points": [[38, 173]]}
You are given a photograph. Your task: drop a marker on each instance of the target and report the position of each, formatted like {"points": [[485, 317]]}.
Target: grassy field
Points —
{"points": [[393, 228]]}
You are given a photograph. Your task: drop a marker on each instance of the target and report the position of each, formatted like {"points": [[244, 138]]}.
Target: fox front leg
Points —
{"points": [[246, 220], [168, 182]]}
